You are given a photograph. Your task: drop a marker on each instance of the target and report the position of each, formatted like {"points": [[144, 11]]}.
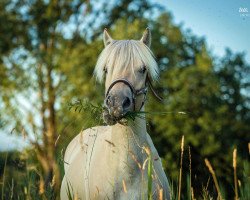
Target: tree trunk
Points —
{"points": [[46, 154]]}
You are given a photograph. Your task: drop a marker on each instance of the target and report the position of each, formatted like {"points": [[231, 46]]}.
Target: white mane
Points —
{"points": [[123, 53]]}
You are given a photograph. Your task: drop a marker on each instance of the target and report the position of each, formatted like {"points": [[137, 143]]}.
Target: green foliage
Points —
{"points": [[192, 81], [23, 177], [85, 106], [244, 184]]}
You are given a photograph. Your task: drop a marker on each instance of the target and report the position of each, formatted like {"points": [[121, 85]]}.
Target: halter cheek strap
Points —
{"points": [[135, 92]]}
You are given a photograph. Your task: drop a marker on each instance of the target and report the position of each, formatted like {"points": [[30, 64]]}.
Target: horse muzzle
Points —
{"points": [[118, 105], [120, 100]]}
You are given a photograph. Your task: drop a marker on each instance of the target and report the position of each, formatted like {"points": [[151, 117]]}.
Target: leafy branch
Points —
{"points": [[84, 105]]}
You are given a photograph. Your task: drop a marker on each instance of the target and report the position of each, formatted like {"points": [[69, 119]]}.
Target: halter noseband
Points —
{"points": [[135, 92]]}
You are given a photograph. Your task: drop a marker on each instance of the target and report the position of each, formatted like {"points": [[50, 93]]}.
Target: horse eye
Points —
{"points": [[143, 69]]}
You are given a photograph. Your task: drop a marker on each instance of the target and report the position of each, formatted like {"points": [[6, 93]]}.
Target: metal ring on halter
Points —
{"points": [[133, 90]]}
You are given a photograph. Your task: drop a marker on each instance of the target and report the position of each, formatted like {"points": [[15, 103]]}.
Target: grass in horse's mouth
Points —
{"points": [[96, 112], [84, 105], [129, 116]]}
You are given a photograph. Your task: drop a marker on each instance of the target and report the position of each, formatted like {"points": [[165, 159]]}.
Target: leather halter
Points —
{"points": [[135, 92]]}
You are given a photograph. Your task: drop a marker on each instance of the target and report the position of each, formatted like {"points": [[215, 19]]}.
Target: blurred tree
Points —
{"points": [[47, 58], [213, 92]]}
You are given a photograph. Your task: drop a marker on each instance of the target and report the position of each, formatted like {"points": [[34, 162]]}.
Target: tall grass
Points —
{"points": [[4, 171], [241, 188], [235, 174], [211, 170], [180, 173], [33, 187], [150, 174]]}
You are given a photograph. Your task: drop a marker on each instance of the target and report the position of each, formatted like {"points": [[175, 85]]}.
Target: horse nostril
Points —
{"points": [[126, 103], [108, 101]]}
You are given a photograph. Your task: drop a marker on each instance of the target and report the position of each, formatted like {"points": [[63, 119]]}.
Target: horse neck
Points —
{"points": [[135, 132], [139, 126]]}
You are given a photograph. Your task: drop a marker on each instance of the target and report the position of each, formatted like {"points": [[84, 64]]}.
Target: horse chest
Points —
{"points": [[105, 163], [111, 162]]}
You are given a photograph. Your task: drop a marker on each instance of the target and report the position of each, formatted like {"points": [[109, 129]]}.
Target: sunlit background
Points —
{"points": [[48, 51]]}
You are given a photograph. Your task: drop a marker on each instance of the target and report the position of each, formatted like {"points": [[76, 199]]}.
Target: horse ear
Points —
{"points": [[106, 38], [146, 38]]}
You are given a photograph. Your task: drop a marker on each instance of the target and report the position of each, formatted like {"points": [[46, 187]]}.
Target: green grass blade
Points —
{"points": [[150, 171]]}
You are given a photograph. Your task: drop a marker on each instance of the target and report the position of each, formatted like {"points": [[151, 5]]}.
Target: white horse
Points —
{"points": [[118, 161]]}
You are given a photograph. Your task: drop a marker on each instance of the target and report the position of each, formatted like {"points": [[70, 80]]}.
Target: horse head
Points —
{"points": [[126, 66]]}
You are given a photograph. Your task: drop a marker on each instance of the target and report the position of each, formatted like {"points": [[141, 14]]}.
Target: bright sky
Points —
{"points": [[11, 142], [219, 21]]}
